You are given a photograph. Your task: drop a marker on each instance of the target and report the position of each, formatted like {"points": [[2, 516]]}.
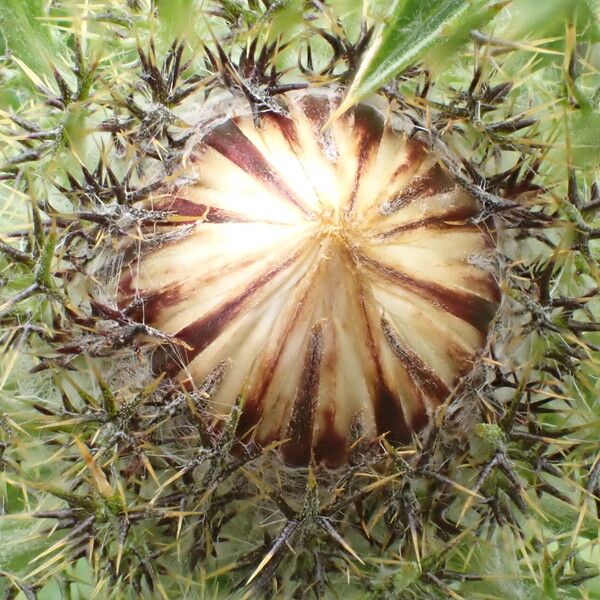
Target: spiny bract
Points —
{"points": [[299, 299]]}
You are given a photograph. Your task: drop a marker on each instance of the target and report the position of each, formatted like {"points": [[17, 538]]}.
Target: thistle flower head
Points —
{"points": [[329, 279]]}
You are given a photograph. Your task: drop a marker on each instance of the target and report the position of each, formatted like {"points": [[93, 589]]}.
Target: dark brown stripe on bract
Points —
{"points": [[461, 359], [290, 133], [331, 447], [472, 309], [451, 220], [317, 110], [415, 154], [389, 416], [229, 140], [153, 305], [286, 126], [419, 418], [434, 181], [208, 214], [421, 374], [297, 450], [493, 285], [387, 406], [125, 289], [252, 409], [249, 419], [369, 125], [201, 333]]}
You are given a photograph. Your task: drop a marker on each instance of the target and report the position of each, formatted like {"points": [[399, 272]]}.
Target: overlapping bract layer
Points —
{"points": [[329, 280]]}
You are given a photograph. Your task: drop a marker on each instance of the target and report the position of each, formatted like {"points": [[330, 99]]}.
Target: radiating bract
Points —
{"points": [[329, 280]]}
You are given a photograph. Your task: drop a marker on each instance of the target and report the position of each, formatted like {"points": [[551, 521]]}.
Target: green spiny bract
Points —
{"points": [[116, 484]]}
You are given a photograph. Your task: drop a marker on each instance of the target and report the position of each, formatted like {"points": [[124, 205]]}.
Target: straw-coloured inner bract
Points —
{"points": [[329, 280]]}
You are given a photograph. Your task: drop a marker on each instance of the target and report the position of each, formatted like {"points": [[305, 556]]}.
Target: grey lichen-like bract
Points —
{"points": [[329, 281]]}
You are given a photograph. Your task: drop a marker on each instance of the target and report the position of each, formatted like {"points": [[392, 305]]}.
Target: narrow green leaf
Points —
{"points": [[412, 28]]}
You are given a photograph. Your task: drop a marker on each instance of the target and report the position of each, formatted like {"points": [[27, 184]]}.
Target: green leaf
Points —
{"points": [[548, 18], [177, 17], [412, 28], [585, 132], [25, 34]]}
